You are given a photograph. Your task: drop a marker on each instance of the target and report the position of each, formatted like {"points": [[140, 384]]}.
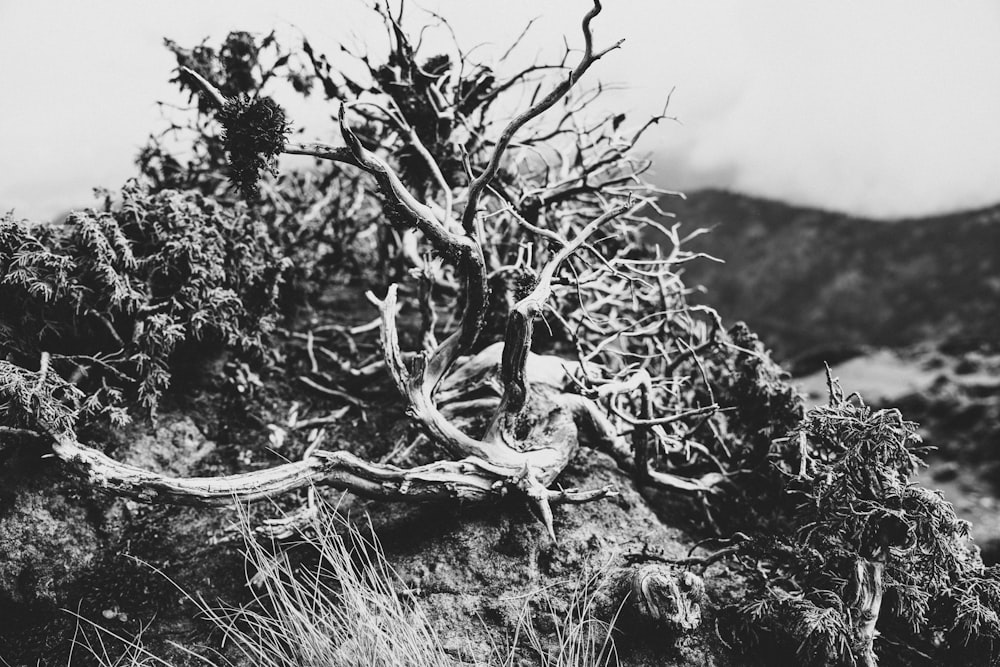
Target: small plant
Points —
{"points": [[864, 551], [342, 605], [256, 132], [338, 605]]}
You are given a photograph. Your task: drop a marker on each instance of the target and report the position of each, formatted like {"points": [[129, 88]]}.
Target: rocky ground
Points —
{"points": [[69, 554]]}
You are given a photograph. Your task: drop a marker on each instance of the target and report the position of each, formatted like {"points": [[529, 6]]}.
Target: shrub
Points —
{"points": [[859, 546], [108, 298]]}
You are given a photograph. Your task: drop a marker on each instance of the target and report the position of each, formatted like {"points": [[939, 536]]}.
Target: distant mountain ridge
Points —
{"points": [[813, 282]]}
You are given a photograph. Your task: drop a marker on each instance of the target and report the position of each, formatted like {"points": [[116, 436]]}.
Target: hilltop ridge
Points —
{"points": [[820, 282]]}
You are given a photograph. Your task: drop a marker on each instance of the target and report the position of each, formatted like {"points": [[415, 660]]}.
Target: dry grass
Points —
{"points": [[89, 640], [580, 638], [348, 608]]}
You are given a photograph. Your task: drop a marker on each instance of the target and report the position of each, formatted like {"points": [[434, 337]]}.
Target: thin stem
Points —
{"points": [[589, 58]]}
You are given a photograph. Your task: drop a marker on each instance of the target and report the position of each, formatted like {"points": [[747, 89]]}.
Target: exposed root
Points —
{"points": [[489, 470]]}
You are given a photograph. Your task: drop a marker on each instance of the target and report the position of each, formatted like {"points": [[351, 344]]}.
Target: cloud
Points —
{"points": [[882, 108], [885, 109]]}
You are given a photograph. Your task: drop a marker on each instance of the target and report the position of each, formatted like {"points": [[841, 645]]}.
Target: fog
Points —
{"points": [[883, 109]]}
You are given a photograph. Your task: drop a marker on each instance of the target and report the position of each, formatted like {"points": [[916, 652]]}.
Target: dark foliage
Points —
{"points": [[255, 133], [110, 296], [851, 501], [232, 68], [758, 405]]}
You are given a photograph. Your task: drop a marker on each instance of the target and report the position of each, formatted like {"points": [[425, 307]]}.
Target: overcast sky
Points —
{"points": [[878, 107]]}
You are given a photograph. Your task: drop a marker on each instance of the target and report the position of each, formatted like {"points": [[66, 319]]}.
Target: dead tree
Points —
{"points": [[545, 405]]}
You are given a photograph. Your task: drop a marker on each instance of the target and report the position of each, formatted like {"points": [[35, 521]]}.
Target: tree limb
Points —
{"points": [[520, 320], [470, 478]]}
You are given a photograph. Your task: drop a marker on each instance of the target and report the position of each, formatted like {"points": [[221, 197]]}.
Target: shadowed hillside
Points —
{"points": [[906, 312], [818, 284]]}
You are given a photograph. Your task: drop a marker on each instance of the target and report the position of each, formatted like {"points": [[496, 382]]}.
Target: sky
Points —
{"points": [[882, 108]]}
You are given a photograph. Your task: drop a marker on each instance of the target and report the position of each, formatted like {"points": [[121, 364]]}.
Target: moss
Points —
{"points": [[255, 133], [46, 540]]}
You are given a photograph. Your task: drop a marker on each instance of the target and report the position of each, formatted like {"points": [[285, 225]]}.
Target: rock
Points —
{"points": [[668, 596], [480, 570], [51, 530], [175, 447], [46, 538]]}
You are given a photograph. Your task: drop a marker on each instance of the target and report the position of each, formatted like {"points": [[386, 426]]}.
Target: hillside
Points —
{"points": [[816, 283], [906, 313]]}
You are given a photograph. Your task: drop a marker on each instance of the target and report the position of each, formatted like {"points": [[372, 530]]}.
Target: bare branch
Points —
{"points": [[414, 386], [213, 93], [477, 187], [323, 152], [469, 479]]}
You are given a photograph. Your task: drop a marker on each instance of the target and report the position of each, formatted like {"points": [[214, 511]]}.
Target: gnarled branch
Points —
{"points": [[462, 250], [520, 321]]}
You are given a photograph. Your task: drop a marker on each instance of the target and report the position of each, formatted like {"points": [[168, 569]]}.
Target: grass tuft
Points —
{"points": [[331, 599]]}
